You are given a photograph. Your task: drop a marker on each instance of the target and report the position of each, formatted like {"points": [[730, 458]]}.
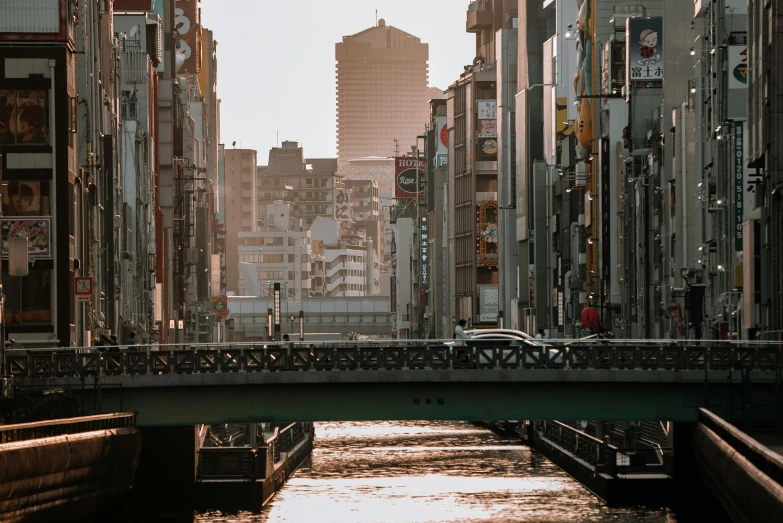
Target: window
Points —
{"points": [[30, 304], [24, 117], [272, 258], [291, 258]]}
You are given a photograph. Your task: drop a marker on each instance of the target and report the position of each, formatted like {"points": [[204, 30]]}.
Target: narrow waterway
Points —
{"points": [[417, 472]]}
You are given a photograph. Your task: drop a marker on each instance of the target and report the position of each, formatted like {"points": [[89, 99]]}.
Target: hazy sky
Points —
{"points": [[276, 67]]}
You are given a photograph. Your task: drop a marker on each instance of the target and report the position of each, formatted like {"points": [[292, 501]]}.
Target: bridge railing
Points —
{"points": [[62, 427], [602, 456], [425, 354]]}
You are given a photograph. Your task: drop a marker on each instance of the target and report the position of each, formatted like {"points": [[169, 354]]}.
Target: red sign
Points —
{"points": [[188, 27], [406, 171], [82, 288]]}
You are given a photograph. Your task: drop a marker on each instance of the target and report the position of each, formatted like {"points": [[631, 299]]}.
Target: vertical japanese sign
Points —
{"points": [[487, 109], [342, 205], [188, 27], [425, 268], [739, 179], [644, 49]]}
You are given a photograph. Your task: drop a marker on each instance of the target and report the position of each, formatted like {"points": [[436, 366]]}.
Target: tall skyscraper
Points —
{"points": [[382, 92]]}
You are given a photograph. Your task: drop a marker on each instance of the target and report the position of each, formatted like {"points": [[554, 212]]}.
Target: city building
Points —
{"points": [[241, 211], [311, 181], [382, 92], [277, 251]]}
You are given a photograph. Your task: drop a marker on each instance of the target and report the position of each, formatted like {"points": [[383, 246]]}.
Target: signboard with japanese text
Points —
{"points": [[318, 247], [188, 28], [488, 303], [342, 205], [425, 265], [406, 176], [644, 49], [487, 109], [739, 183]]}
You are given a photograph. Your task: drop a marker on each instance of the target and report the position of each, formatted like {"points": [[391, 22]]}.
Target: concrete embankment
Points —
{"points": [[66, 477]]}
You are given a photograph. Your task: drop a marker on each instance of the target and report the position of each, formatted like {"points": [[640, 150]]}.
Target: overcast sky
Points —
{"points": [[276, 67]]}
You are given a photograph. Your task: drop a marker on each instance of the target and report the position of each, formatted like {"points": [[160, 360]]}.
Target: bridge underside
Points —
{"points": [[549, 395]]}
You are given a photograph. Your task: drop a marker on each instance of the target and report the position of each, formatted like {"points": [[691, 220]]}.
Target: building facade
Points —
{"points": [[382, 92]]}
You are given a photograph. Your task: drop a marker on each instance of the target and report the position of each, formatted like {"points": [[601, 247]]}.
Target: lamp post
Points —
{"points": [[301, 325], [269, 324], [292, 318]]}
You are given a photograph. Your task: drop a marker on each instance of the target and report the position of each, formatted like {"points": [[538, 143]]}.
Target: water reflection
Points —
{"points": [[424, 472]]}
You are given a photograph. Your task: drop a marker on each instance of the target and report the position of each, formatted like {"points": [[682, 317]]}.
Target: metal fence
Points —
{"points": [[61, 427], [155, 359]]}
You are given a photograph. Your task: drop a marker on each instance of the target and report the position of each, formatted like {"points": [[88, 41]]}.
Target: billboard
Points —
{"points": [[644, 49], [442, 137], [318, 247], [406, 170], [487, 109], [738, 66], [487, 129], [220, 307], [188, 27], [37, 230], [342, 205], [488, 302], [488, 149]]}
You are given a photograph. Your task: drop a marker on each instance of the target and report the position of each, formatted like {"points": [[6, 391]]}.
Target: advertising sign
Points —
{"points": [[644, 49], [425, 265], [738, 67], [487, 129], [488, 149], [442, 136], [220, 307], [487, 109], [188, 28], [405, 177], [342, 205], [37, 231], [739, 179], [488, 302], [488, 233], [318, 247]]}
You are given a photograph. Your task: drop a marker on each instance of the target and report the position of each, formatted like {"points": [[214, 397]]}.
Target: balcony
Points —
{"points": [[480, 16]]}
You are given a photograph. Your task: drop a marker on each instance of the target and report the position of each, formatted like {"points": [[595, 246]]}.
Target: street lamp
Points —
{"points": [[292, 318], [301, 325]]}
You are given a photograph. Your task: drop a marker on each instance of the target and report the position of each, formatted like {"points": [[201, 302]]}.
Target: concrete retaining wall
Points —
{"points": [[64, 477], [746, 493]]}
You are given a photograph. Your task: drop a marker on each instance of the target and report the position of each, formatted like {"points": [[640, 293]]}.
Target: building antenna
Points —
{"points": [[376, 18], [396, 147], [277, 137]]}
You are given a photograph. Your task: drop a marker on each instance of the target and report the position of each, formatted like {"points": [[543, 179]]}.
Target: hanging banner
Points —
{"points": [[425, 266], [739, 181], [405, 174], [487, 109], [738, 67], [644, 49]]}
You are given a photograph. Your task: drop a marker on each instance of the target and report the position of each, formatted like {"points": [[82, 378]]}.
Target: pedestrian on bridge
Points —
{"points": [[459, 333]]}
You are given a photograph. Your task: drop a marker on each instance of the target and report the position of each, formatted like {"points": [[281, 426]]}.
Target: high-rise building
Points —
{"points": [[382, 93], [240, 213]]}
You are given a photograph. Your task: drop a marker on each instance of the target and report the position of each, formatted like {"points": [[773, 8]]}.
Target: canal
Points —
{"points": [[416, 472]]}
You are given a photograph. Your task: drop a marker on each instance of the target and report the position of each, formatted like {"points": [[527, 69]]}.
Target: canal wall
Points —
{"points": [[745, 477], [61, 478]]}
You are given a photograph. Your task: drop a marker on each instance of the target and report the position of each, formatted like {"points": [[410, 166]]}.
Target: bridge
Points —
{"points": [[416, 380]]}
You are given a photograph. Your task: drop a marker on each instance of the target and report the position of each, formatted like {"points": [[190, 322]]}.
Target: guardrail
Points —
{"points": [[345, 356], [61, 427], [602, 456]]}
